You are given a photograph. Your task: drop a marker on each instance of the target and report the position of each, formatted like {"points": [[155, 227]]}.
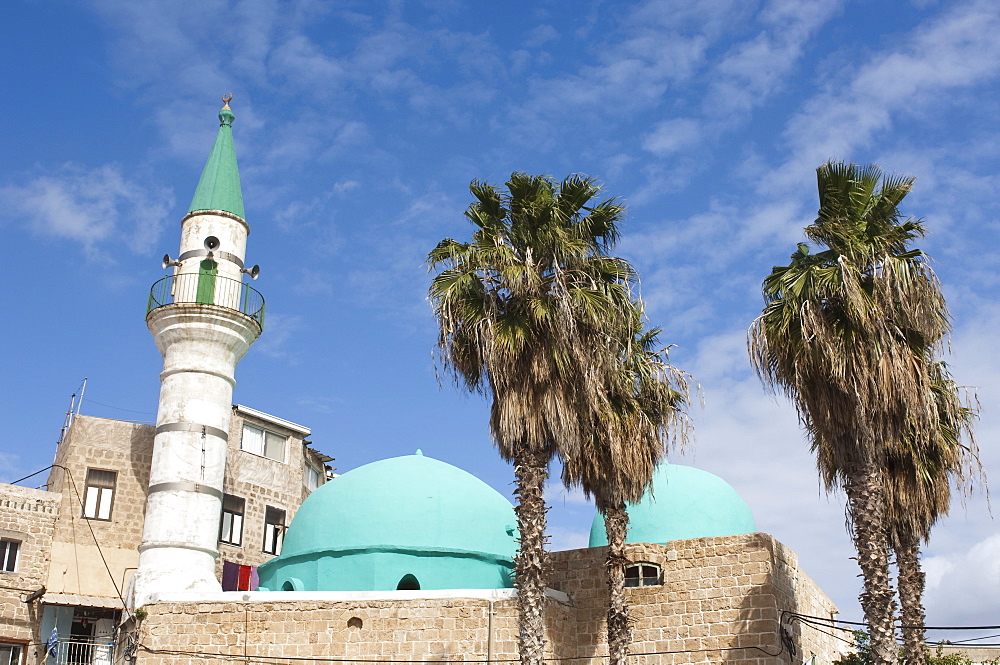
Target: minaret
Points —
{"points": [[204, 319]]}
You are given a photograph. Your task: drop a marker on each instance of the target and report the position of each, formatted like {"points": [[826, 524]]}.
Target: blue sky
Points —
{"points": [[359, 126]]}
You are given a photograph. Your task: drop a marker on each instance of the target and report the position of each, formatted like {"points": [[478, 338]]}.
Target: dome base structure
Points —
{"points": [[404, 523]]}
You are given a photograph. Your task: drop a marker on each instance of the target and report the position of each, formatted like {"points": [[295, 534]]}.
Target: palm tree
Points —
{"points": [[918, 483], [845, 334], [526, 310], [641, 415]]}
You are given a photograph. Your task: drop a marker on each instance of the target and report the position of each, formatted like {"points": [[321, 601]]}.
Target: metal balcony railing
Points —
{"points": [[84, 651], [207, 289]]}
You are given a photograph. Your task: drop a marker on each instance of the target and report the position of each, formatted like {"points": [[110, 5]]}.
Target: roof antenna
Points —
{"points": [[71, 414]]}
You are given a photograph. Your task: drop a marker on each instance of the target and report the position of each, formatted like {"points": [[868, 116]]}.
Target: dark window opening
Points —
{"points": [[408, 583], [8, 558], [11, 654], [274, 530], [642, 574], [231, 529]]}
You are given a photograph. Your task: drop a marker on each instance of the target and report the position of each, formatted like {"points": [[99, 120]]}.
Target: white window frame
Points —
{"points": [[10, 551], [12, 653], [312, 477], [263, 442], [231, 526], [99, 495], [274, 530]]}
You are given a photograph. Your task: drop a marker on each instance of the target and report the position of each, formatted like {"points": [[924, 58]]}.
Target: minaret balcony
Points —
{"points": [[207, 289]]}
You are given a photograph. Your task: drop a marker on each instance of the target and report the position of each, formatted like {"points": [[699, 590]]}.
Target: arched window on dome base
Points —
{"points": [[408, 583], [643, 573]]}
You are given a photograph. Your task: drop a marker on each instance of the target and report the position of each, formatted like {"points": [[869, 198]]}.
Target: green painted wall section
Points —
{"points": [[219, 186], [367, 529], [207, 271], [383, 570], [684, 503]]}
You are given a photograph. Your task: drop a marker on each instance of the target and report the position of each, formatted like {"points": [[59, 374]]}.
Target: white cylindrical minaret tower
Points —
{"points": [[203, 319]]}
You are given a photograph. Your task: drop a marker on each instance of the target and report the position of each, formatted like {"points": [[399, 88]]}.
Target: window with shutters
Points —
{"points": [[99, 494]]}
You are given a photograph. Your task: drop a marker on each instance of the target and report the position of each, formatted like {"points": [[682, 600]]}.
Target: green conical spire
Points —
{"points": [[219, 187]]}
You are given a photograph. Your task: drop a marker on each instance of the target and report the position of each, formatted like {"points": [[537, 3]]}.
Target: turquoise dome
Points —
{"points": [[683, 502], [409, 522]]}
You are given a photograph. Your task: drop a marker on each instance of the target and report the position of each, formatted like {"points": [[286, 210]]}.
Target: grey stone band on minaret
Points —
{"points": [[225, 256], [185, 487], [195, 428], [174, 544]]}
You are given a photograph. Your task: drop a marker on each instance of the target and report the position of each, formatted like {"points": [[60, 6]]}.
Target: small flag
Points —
{"points": [[53, 644]]}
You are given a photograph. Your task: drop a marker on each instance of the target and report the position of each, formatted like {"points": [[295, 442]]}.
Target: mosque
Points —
{"points": [[407, 559]]}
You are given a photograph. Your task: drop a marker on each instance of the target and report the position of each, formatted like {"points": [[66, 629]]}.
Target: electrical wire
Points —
{"points": [[833, 635], [384, 661], [92, 401], [972, 639], [30, 475], [93, 535], [861, 623]]}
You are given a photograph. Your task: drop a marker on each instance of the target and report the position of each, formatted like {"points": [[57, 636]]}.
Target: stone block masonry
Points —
{"points": [[125, 449], [721, 601], [27, 519]]}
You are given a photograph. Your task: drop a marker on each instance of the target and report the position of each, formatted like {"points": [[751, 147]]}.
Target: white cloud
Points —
{"points": [[280, 330], [99, 208], [556, 493], [964, 586], [671, 136], [345, 186], [562, 538], [541, 34], [955, 51], [753, 70]]}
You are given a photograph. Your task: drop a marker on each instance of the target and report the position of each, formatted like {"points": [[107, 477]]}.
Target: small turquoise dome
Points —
{"points": [[683, 502], [408, 522]]}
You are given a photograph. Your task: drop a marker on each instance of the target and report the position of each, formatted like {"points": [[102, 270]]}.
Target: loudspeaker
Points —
{"points": [[211, 243]]}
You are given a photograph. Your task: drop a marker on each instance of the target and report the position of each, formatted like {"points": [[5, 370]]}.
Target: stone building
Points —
{"points": [[27, 522], [77, 541], [408, 559]]}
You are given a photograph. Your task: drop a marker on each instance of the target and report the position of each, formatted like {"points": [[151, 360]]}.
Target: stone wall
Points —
{"points": [[262, 482], [722, 601], [127, 449], [27, 516], [110, 445], [419, 629]]}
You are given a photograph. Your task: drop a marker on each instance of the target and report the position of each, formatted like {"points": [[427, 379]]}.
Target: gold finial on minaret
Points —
{"points": [[226, 99]]}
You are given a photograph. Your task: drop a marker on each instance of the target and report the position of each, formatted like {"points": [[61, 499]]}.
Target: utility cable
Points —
{"points": [[861, 623], [93, 535], [389, 661], [93, 401]]}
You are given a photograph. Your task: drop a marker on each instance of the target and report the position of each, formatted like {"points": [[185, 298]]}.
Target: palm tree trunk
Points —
{"points": [[619, 624], [531, 471], [866, 509], [911, 590]]}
